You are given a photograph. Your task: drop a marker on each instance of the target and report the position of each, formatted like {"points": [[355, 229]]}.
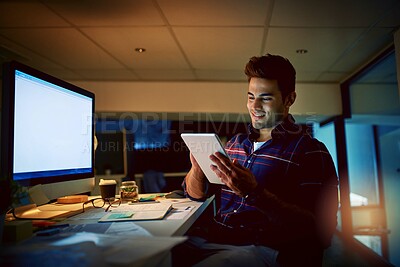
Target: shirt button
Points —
{"points": [[249, 161], [234, 211]]}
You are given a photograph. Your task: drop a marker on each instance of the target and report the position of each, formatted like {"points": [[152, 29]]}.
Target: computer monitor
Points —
{"points": [[47, 130]]}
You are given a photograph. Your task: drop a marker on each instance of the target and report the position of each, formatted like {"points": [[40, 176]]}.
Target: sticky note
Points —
{"points": [[120, 215]]}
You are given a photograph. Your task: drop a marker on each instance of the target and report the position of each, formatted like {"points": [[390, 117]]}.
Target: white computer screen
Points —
{"points": [[52, 129]]}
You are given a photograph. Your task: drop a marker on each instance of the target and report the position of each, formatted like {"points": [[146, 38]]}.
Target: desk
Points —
{"points": [[180, 226], [165, 227], [113, 249]]}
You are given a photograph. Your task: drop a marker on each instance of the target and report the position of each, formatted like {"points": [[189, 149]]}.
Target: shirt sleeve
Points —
{"points": [[206, 189], [318, 168]]}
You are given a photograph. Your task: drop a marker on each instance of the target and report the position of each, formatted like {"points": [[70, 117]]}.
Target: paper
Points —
{"points": [[83, 254], [113, 228], [144, 251], [89, 214], [132, 251], [154, 211], [86, 249], [127, 229], [179, 213], [37, 195]]}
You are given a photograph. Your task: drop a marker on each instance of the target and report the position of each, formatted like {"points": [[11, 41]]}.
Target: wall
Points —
{"points": [[203, 97], [367, 100]]}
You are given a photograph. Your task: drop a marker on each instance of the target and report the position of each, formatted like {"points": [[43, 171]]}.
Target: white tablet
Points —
{"points": [[202, 145]]}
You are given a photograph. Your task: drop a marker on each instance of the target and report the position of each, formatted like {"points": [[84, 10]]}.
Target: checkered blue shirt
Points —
{"points": [[299, 173]]}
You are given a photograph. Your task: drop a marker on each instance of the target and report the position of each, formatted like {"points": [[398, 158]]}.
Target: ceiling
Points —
{"points": [[194, 40]]}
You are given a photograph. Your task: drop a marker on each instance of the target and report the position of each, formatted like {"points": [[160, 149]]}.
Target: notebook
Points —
{"points": [[137, 212]]}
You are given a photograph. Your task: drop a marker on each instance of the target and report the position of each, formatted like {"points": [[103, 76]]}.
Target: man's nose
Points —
{"points": [[257, 104]]}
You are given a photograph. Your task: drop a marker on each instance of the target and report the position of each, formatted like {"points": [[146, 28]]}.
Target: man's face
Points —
{"points": [[265, 103]]}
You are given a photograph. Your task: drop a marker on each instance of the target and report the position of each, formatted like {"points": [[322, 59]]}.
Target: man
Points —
{"points": [[278, 204]]}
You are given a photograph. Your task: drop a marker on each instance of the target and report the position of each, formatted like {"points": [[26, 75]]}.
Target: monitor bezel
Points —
{"points": [[7, 129]]}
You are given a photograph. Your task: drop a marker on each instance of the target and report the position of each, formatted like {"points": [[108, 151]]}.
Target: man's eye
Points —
{"points": [[266, 99]]}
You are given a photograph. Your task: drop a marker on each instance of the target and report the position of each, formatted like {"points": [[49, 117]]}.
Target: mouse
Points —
{"points": [[175, 194]]}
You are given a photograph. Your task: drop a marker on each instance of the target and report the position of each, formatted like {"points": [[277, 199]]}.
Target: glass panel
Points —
{"points": [[363, 184], [373, 152], [389, 150], [371, 241], [326, 134], [361, 165]]}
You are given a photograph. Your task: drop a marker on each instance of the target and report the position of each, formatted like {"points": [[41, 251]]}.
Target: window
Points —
{"points": [[372, 141]]}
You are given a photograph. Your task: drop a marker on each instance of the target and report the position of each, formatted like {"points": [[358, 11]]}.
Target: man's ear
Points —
{"points": [[290, 98]]}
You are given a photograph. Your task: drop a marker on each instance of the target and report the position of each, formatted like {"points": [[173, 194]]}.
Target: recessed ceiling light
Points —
{"points": [[140, 50], [301, 51]]}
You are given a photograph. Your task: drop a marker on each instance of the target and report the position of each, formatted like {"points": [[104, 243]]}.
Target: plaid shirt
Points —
{"points": [[301, 199]]}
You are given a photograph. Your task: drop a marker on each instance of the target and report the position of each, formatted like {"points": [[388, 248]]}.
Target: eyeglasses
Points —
{"points": [[100, 203]]}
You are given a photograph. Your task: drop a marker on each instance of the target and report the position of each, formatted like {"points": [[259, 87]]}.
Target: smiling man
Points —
{"points": [[266, 106], [278, 204]]}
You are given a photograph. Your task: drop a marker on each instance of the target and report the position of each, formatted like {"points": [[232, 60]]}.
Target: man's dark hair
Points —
{"points": [[273, 67]]}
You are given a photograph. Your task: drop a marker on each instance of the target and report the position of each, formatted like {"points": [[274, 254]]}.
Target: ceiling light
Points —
{"points": [[140, 50], [301, 51]]}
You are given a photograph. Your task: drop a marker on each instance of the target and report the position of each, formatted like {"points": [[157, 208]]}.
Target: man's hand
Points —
{"points": [[196, 169], [195, 180], [238, 178]]}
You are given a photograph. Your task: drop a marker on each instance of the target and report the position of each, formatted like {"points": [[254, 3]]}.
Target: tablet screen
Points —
{"points": [[202, 145]]}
